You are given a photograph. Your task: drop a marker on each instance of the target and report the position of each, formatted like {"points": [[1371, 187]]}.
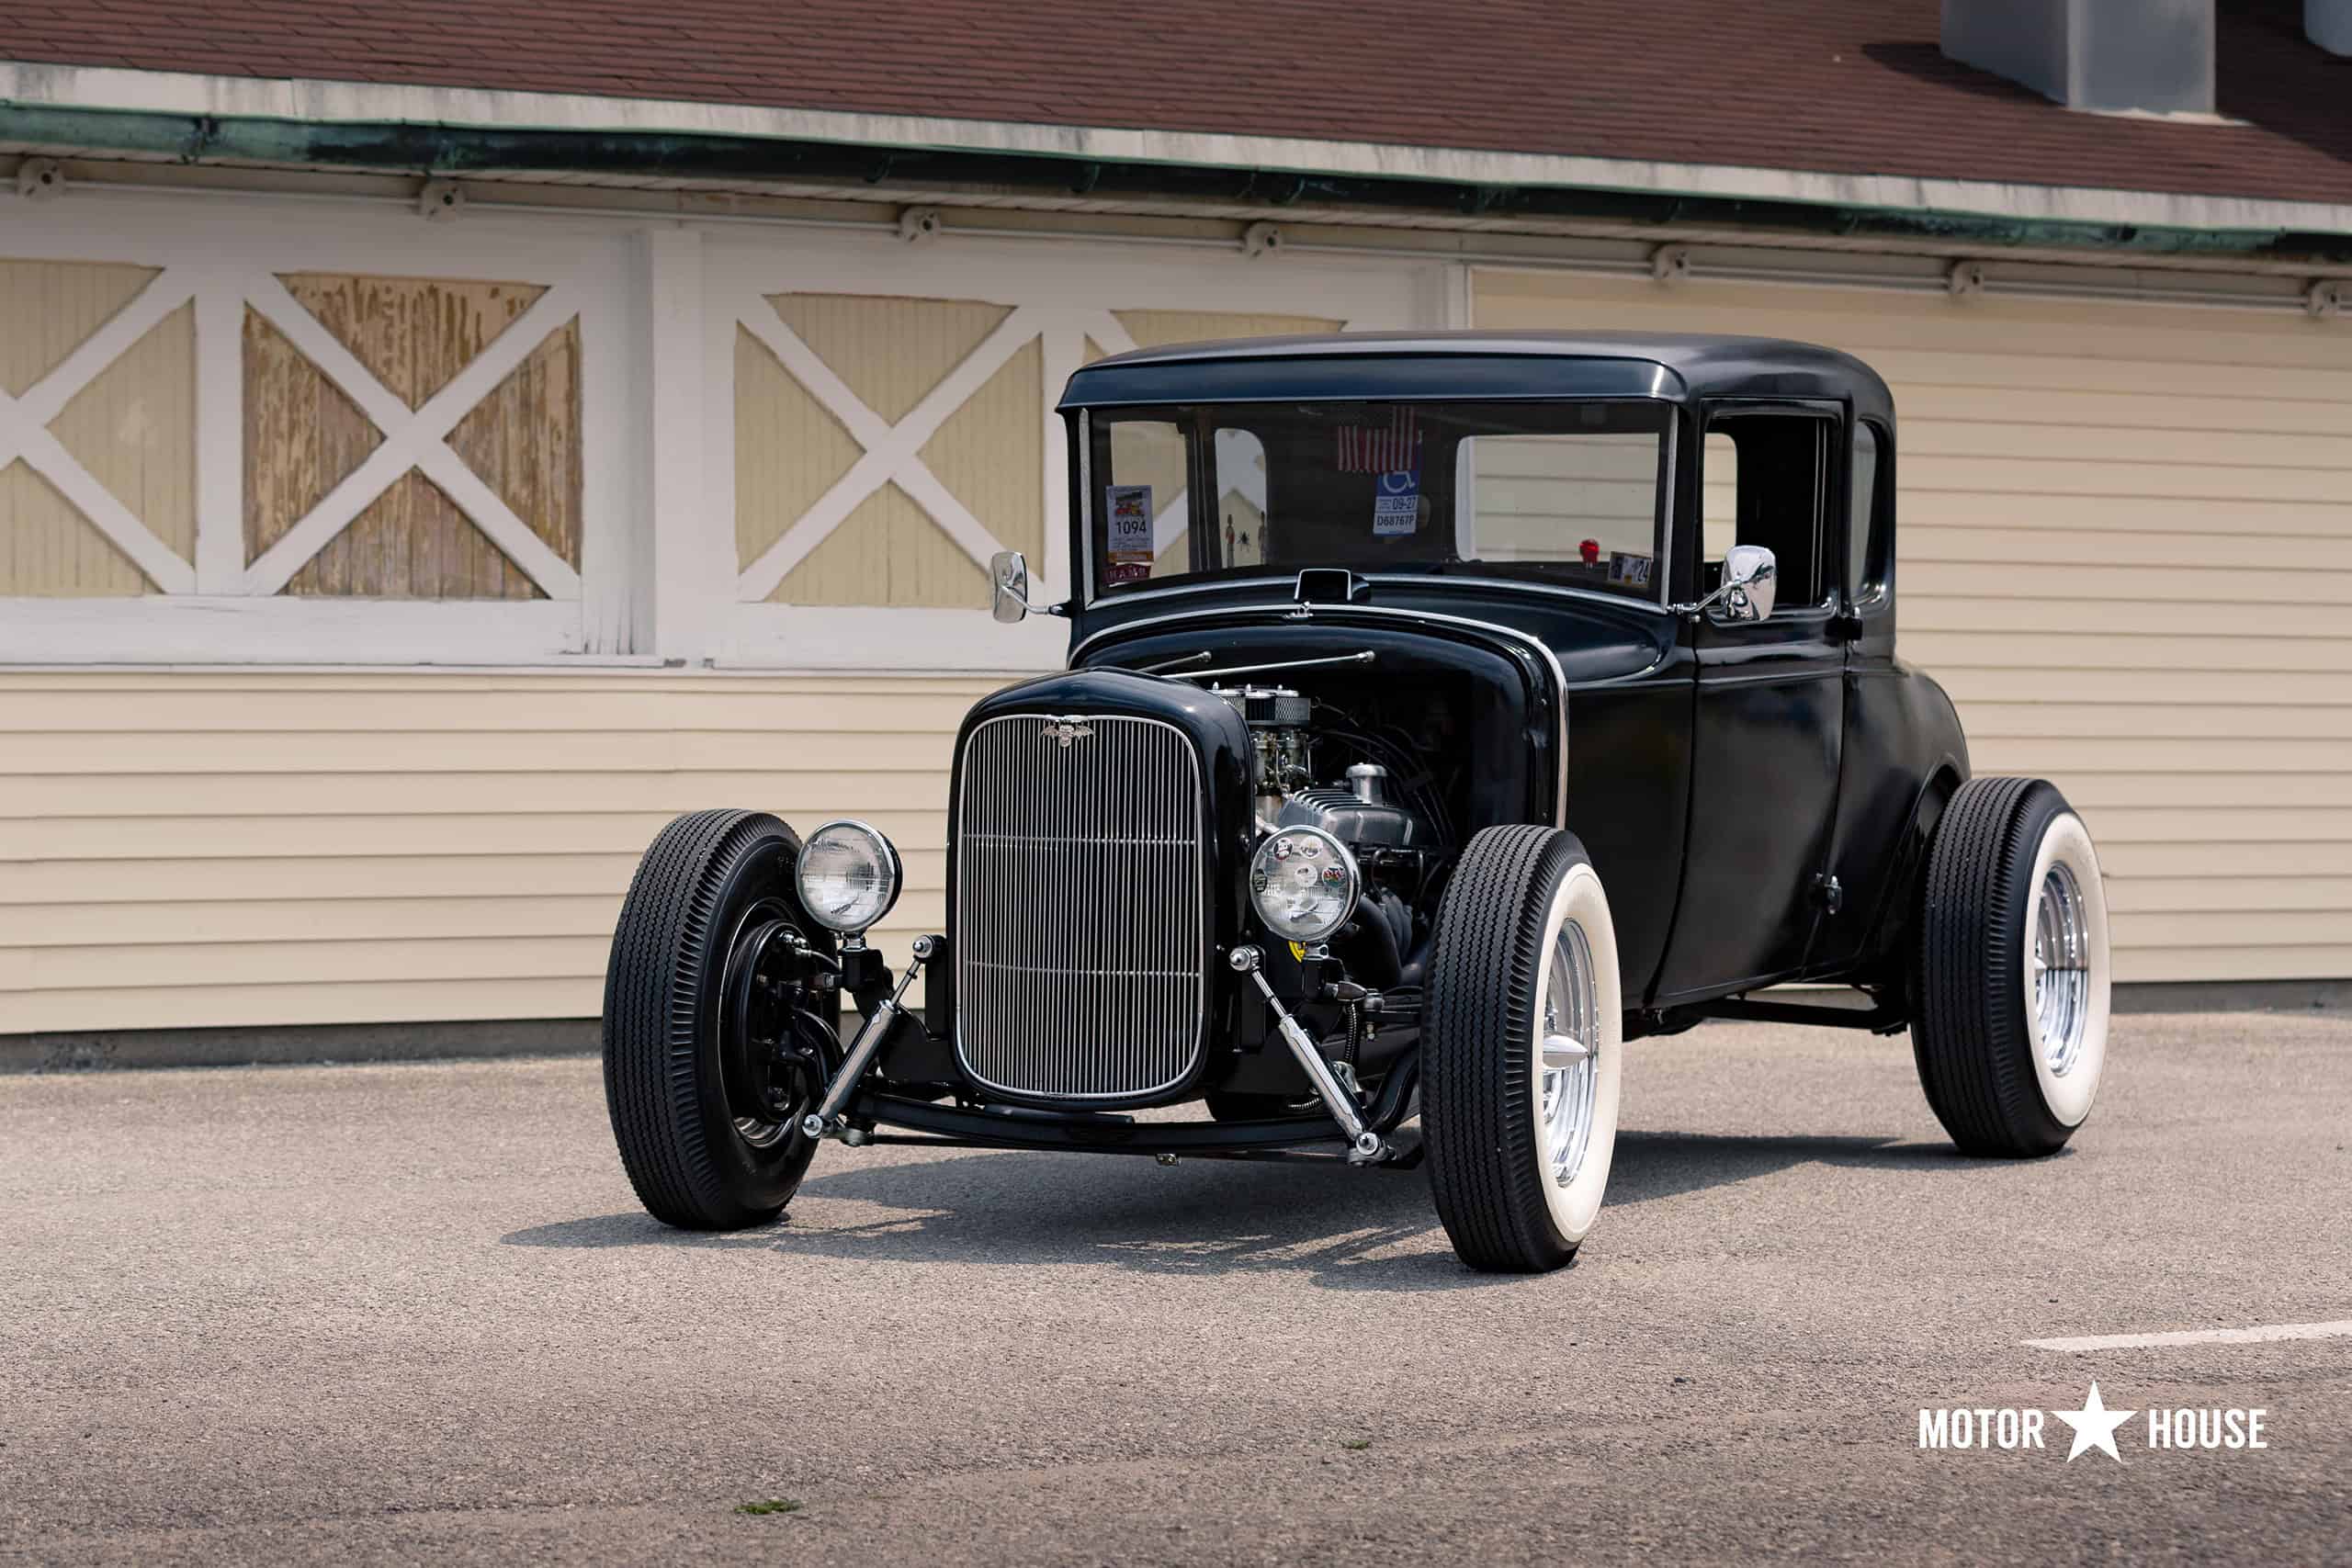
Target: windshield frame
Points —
{"points": [[1090, 594]]}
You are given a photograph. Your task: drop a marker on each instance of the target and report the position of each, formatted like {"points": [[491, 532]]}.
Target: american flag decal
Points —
{"points": [[1382, 449]]}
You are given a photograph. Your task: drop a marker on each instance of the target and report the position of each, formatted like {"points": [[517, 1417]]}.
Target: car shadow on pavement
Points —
{"points": [[1349, 1229]]}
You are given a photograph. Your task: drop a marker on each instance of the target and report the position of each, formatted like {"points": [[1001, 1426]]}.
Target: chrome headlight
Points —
{"points": [[1303, 883], [848, 876]]}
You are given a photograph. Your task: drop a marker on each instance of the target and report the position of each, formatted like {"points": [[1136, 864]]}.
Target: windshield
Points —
{"points": [[1564, 492]]}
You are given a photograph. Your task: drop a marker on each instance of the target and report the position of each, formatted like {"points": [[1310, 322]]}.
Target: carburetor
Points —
{"points": [[1277, 717]]}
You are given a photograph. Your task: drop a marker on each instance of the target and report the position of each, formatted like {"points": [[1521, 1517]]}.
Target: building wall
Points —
{"points": [[371, 590], [182, 848], [2125, 538]]}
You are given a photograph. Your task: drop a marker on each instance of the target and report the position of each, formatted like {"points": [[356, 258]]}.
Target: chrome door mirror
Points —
{"points": [[1748, 585], [1009, 570]]}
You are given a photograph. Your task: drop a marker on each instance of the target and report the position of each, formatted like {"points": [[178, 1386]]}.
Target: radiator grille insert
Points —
{"points": [[1081, 936]]}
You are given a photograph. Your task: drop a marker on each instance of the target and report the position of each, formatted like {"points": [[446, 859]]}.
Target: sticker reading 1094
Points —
{"points": [[1127, 510]]}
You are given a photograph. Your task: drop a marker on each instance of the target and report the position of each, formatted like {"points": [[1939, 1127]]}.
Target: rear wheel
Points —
{"points": [[2009, 976], [709, 1059], [1521, 1050]]}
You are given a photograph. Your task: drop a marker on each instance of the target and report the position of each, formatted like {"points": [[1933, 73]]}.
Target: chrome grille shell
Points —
{"points": [[1082, 915]]}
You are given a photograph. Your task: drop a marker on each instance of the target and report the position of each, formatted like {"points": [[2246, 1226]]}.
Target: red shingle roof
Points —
{"points": [[1848, 87]]}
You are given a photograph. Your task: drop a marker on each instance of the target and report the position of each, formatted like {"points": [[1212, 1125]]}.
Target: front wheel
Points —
{"points": [[1522, 1046], [2009, 972], [709, 1061]]}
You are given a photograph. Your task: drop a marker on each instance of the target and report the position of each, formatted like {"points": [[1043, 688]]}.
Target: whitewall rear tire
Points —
{"points": [[2010, 978]]}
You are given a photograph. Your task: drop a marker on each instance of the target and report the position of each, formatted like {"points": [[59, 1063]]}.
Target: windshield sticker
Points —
{"points": [[1631, 571], [1128, 508], [1397, 504]]}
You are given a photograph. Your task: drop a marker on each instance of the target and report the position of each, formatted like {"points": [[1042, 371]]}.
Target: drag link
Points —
{"points": [[1364, 1146], [826, 1120]]}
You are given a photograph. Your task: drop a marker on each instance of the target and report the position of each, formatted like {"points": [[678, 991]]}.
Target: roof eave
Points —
{"points": [[454, 132]]}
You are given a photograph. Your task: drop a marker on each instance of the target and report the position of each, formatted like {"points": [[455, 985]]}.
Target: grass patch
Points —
{"points": [[772, 1505], [1355, 1445]]}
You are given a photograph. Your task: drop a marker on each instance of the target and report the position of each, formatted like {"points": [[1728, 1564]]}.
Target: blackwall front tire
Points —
{"points": [[693, 1163], [1522, 1048], [2009, 970]]}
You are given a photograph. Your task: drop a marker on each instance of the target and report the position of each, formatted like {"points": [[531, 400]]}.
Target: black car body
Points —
{"points": [[1324, 593]]}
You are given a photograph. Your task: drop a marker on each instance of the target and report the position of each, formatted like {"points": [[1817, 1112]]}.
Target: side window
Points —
{"points": [[1863, 569], [1774, 493], [1719, 499]]}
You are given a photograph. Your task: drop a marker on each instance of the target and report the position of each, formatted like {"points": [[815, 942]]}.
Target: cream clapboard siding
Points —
{"points": [[188, 849], [2126, 540]]}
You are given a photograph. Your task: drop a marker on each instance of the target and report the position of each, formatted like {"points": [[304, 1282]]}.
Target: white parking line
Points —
{"points": [[2200, 1336]]}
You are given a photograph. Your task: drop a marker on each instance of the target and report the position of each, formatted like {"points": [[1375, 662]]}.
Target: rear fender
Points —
{"points": [[1891, 923]]}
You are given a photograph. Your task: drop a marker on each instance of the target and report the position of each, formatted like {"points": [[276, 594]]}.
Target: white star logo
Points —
{"points": [[2094, 1427]]}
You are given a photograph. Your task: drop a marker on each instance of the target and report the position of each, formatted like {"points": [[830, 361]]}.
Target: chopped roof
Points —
{"points": [[1479, 363], [1837, 87]]}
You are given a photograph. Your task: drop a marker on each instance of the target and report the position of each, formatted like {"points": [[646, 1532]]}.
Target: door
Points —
{"points": [[1768, 708]]}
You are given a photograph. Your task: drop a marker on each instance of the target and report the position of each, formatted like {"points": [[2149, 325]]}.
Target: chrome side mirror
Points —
{"points": [[1009, 571], [1749, 584], [1746, 593]]}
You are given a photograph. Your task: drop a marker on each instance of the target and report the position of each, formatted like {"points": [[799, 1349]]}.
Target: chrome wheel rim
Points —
{"points": [[761, 1134], [2060, 963], [1568, 1046]]}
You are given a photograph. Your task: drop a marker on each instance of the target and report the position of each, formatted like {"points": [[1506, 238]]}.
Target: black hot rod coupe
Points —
{"points": [[1442, 712]]}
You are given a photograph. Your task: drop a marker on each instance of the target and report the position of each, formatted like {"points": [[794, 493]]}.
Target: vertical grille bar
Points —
{"points": [[1081, 941]]}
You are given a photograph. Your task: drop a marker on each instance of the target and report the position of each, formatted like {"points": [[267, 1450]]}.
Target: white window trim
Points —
{"points": [[198, 629], [226, 255], [1061, 293], [657, 307]]}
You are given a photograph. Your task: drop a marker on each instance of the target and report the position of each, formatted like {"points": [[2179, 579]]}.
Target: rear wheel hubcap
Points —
{"points": [[2059, 965]]}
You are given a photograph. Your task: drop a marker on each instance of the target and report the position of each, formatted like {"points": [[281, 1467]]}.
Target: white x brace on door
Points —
{"points": [[226, 262]]}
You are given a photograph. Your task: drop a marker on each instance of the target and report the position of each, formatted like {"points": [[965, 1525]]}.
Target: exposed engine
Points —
{"points": [[1357, 810], [1279, 745], [1397, 844]]}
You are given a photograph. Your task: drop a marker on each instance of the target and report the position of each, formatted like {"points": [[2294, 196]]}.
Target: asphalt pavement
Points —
{"points": [[412, 1314]]}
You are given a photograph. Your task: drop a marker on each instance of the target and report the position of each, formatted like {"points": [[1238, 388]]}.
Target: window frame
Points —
{"points": [[1832, 467], [1088, 594], [1871, 590]]}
